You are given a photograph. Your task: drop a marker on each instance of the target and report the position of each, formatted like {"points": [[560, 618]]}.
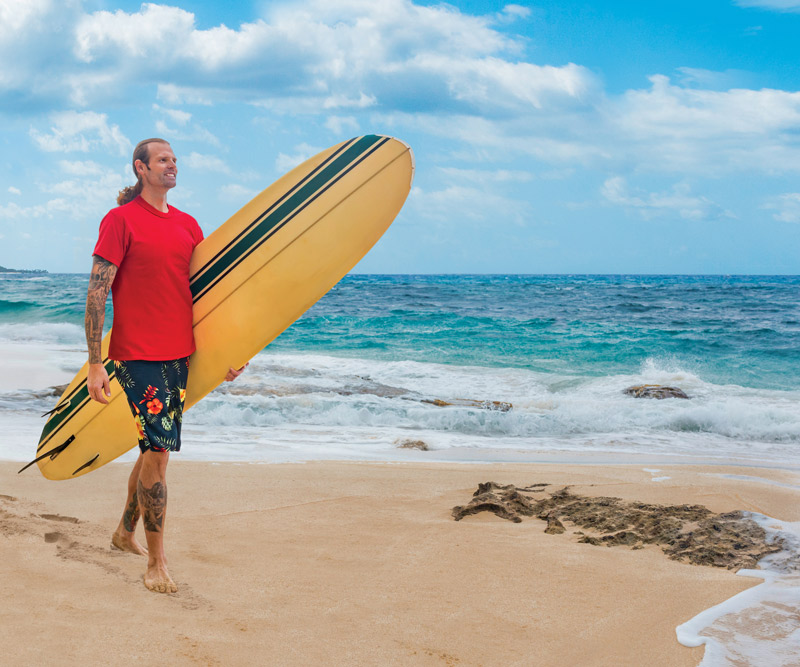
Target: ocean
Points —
{"points": [[371, 364], [484, 368]]}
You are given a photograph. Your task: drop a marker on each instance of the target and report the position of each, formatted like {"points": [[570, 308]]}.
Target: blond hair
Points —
{"points": [[141, 152]]}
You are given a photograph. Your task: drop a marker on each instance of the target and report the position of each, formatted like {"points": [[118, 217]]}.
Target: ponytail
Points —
{"points": [[141, 152], [129, 193]]}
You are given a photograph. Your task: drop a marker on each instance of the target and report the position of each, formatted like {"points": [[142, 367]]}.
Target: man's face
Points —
{"points": [[162, 170]]}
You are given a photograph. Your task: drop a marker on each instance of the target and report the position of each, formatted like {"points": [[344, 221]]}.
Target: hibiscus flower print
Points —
{"points": [[183, 394], [154, 407]]}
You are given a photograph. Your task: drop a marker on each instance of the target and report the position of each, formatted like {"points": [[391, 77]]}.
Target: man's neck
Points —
{"points": [[156, 198]]}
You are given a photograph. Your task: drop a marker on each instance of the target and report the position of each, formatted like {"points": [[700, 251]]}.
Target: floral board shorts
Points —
{"points": [[156, 391]]}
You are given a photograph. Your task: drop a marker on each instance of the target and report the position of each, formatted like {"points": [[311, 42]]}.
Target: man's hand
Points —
{"points": [[98, 383], [234, 373]]}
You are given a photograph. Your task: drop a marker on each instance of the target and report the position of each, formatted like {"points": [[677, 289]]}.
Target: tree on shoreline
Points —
{"points": [[3, 269]]}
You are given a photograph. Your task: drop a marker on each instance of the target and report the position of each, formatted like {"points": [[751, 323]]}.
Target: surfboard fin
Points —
{"points": [[56, 409], [87, 464], [52, 453]]}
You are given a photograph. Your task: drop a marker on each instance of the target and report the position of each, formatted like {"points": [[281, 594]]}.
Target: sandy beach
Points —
{"points": [[351, 563]]}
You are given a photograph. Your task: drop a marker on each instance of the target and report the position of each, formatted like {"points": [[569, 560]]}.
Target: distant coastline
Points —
{"points": [[3, 269]]}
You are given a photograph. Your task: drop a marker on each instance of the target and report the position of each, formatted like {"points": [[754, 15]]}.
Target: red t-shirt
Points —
{"points": [[151, 295]]}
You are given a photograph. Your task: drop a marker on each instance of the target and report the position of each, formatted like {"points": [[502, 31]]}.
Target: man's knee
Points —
{"points": [[155, 462]]}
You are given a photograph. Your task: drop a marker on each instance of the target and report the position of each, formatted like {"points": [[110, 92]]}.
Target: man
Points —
{"points": [[142, 255]]}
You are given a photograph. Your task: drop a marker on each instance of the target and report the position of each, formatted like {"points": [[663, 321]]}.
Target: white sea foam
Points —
{"points": [[43, 334], [351, 396], [301, 407], [759, 625]]}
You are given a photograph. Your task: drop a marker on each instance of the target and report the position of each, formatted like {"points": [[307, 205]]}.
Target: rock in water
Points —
{"points": [[654, 391], [500, 406], [412, 444]]}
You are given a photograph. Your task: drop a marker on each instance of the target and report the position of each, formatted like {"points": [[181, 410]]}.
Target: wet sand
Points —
{"points": [[353, 563]]}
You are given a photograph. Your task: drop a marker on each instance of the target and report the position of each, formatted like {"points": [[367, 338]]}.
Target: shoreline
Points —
{"points": [[334, 561]]}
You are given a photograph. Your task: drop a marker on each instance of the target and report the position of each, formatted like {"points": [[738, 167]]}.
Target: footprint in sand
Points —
{"points": [[58, 517]]}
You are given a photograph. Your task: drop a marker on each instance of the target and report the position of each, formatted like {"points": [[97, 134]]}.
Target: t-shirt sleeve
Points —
{"points": [[198, 233], [112, 241]]}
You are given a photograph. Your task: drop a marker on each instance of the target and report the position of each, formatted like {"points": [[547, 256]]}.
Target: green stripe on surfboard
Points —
{"points": [[296, 202], [75, 402]]}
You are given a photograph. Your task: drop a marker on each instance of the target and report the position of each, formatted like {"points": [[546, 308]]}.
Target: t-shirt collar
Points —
{"points": [[141, 201]]}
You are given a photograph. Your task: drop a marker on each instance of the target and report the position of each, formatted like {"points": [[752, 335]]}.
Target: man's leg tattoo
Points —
{"points": [[131, 515], [154, 505]]}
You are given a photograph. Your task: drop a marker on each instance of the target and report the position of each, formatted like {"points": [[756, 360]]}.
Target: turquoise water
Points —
{"points": [[741, 330]]}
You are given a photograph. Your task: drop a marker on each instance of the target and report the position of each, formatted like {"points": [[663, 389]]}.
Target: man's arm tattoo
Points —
{"points": [[130, 516], [154, 505], [103, 273]]}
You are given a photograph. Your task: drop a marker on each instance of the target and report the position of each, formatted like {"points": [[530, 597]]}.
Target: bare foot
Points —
{"points": [[157, 579], [127, 542]]}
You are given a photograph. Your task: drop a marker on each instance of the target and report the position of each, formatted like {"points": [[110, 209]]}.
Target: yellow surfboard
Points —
{"points": [[250, 279]]}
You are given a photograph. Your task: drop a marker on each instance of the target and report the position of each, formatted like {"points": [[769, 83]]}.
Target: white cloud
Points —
{"points": [[675, 112], [284, 163], [680, 128], [433, 69], [177, 115], [14, 211], [91, 187], [86, 131], [194, 132], [14, 191], [493, 84], [237, 193], [787, 207], [83, 197], [696, 77], [464, 203], [205, 163], [134, 35], [341, 124], [82, 168], [349, 54], [516, 12], [649, 205], [560, 137], [487, 175], [664, 127], [777, 5], [343, 102], [35, 60], [174, 94]]}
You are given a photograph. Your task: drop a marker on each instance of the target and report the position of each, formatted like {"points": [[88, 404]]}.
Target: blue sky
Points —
{"points": [[560, 136]]}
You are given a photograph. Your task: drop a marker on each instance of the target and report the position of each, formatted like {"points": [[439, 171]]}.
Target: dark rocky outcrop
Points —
{"points": [[687, 533], [654, 391]]}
